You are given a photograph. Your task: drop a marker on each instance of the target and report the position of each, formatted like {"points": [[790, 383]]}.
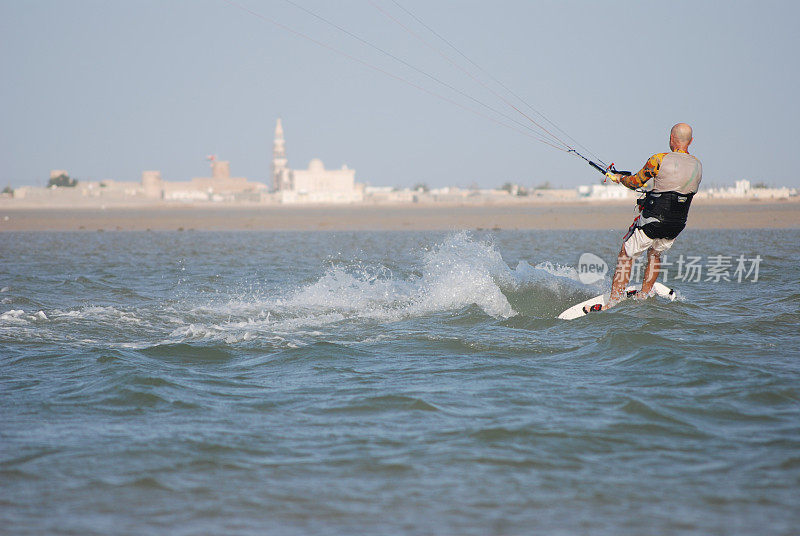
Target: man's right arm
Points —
{"points": [[647, 172]]}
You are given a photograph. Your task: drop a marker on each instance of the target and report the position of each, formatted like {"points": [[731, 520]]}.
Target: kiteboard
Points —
{"points": [[576, 311]]}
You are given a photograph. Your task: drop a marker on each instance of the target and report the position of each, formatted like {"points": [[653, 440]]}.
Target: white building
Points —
{"points": [[605, 191], [313, 185], [743, 189]]}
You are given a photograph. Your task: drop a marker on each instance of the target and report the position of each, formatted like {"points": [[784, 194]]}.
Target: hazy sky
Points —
{"points": [[107, 89]]}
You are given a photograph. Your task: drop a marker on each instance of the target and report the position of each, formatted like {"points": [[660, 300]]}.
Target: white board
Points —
{"points": [[576, 311]]}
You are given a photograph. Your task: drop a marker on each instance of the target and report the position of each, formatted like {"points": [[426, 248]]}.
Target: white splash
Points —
{"points": [[18, 316], [14, 316], [458, 273], [99, 314]]}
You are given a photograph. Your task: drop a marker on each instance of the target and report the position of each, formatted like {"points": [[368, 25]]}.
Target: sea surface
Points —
{"points": [[394, 383]]}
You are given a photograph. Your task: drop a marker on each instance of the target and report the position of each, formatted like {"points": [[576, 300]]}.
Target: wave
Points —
{"points": [[460, 277], [457, 277], [456, 274]]}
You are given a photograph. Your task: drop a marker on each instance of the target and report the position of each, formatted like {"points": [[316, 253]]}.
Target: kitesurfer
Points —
{"points": [[663, 210]]}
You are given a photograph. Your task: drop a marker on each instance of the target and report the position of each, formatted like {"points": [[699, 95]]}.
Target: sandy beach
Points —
{"points": [[705, 214]]}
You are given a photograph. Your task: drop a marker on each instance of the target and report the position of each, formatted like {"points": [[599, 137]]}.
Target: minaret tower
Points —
{"points": [[280, 170]]}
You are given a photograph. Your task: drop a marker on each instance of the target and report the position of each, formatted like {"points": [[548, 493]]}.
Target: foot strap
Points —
{"points": [[593, 309]]}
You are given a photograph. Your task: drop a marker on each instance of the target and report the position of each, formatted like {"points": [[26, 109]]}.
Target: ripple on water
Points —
{"points": [[389, 383], [380, 404], [320, 351], [184, 353]]}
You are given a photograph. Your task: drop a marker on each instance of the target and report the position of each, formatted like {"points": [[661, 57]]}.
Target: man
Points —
{"points": [[676, 177]]}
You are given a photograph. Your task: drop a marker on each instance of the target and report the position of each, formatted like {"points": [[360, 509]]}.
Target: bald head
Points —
{"points": [[680, 137]]}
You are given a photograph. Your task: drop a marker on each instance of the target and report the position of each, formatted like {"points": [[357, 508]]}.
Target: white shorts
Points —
{"points": [[636, 242]]}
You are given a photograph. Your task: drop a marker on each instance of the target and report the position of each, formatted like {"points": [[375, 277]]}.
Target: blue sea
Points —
{"points": [[394, 383]]}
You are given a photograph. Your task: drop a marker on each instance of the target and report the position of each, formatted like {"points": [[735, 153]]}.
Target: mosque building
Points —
{"points": [[313, 185]]}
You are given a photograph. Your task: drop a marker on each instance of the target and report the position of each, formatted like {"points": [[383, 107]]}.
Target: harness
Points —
{"points": [[664, 213]]}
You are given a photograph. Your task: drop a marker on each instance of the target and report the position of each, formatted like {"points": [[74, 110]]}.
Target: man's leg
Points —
{"points": [[622, 275], [652, 271]]}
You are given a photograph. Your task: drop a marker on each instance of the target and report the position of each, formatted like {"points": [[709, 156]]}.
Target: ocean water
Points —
{"points": [[393, 383]]}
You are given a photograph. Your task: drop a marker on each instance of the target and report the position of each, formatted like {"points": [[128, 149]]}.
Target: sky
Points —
{"points": [[109, 88]]}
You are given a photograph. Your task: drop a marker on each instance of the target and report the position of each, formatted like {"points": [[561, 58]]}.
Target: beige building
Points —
{"points": [[219, 187], [313, 185], [84, 192]]}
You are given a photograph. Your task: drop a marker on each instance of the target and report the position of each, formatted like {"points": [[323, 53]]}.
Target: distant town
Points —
{"points": [[317, 185]]}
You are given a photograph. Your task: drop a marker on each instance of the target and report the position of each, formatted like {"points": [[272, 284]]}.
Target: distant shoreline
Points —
{"points": [[705, 214]]}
